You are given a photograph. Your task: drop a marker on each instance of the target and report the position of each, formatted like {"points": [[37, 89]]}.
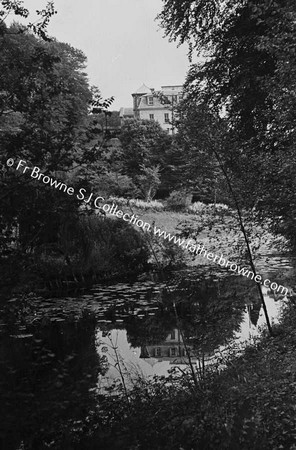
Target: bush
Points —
{"points": [[196, 207], [179, 200], [199, 207], [218, 206], [116, 184], [95, 246]]}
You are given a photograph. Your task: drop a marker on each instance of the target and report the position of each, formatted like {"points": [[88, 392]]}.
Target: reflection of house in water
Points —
{"points": [[254, 312], [172, 349]]}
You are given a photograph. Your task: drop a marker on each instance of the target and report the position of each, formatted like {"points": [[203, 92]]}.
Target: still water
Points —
{"points": [[57, 353]]}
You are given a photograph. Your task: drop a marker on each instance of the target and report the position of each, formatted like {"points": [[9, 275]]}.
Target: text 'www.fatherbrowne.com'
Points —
{"points": [[219, 259], [97, 203]]}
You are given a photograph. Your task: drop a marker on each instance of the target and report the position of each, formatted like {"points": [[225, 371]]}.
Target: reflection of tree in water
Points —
{"points": [[151, 329], [46, 383], [209, 312]]}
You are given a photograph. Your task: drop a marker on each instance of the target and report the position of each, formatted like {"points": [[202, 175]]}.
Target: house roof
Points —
{"points": [[143, 90], [126, 112]]}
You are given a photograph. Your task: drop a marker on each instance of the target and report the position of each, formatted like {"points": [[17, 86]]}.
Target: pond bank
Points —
{"points": [[55, 350], [50, 341], [93, 254], [250, 405]]}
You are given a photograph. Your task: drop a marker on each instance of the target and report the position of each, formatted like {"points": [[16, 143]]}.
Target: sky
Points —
{"points": [[122, 41]]}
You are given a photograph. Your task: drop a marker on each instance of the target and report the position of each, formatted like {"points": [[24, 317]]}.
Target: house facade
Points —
{"points": [[172, 350], [159, 106]]}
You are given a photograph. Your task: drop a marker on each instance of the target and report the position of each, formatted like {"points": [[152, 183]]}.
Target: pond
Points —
{"points": [[68, 349]]}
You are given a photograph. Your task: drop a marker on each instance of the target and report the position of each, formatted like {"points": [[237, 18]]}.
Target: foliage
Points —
{"points": [[164, 254], [144, 145], [233, 88], [173, 175], [114, 184], [103, 171], [199, 207], [42, 84], [246, 400], [137, 203], [93, 247], [148, 181], [110, 121], [246, 81], [248, 404], [39, 26], [47, 370], [179, 200], [45, 120], [201, 134]]}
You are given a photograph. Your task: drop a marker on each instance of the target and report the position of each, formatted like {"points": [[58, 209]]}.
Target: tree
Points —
{"points": [[200, 133], [45, 101], [232, 83], [149, 181], [247, 77], [39, 26], [144, 144]]}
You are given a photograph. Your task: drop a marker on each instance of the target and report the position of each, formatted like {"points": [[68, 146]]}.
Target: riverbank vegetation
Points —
{"points": [[59, 123], [248, 404], [87, 249], [233, 155], [245, 399]]}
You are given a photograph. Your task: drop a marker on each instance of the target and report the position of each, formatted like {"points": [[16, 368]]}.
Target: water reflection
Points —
{"points": [[54, 350], [254, 320], [194, 318], [46, 382]]}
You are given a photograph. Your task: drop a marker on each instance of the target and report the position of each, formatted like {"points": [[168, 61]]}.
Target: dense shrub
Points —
{"points": [[179, 200], [95, 246], [115, 184]]}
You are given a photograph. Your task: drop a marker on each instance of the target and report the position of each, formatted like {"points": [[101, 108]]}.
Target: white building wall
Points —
{"points": [[149, 107], [158, 116]]}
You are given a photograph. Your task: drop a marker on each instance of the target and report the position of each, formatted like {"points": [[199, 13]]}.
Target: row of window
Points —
{"points": [[172, 352], [166, 117], [174, 99]]}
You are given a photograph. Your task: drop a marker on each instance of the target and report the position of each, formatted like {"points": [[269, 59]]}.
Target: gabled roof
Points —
{"points": [[143, 90]]}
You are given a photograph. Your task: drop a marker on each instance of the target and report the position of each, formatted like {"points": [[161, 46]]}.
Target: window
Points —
{"points": [[151, 116], [173, 335], [175, 98], [150, 101], [168, 130], [166, 117], [173, 352], [158, 351]]}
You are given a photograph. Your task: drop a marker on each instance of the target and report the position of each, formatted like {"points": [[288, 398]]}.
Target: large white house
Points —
{"points": [[160, 105]]}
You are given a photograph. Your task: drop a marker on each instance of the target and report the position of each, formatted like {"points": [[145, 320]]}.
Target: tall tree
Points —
{"points": [[45, 101], [144, 145], [247, 77], [200, 133]]}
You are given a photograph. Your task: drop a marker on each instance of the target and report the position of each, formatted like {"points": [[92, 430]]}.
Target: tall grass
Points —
{"points": [[137, 203]]}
